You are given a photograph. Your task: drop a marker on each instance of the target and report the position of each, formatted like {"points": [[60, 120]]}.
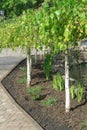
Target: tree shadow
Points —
{"points": [[38, 99], [41, 97], [38, 83], [38, 75], [79, 105]]}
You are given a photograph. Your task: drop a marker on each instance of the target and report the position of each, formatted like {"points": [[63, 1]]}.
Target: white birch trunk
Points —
{"points": [[67, 92], [35, 56], [41, 55], [28, 67], [44, 49]]}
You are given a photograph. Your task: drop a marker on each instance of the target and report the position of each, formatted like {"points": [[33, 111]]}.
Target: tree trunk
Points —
{"points": [[28, 67], [41, 55], [44, 51], [35, 56], [67, 92]]}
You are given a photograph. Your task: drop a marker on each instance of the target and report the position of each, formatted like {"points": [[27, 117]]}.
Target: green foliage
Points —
{"points": [[80, 92], [1, 18], [49, 102], [58, 83], [22, 80], [19, 32], [47, 65], [58, 35], [55, 84], [16, 7], [83, 124], [72, 91], [77, 92], [44, 26], [35, 92]]}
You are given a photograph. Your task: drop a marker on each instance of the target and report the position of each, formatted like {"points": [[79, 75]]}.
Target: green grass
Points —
{"points": [[58, 83], [83, 124], [22, 81], [49, 102], [35, 92]]}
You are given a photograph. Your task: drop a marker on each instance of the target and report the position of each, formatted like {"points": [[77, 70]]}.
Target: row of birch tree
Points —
{"points": [[59, 24]]}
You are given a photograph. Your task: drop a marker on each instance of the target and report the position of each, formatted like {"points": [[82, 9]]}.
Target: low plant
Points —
{"points": [[72, 91], [58, 83], [47, 65], [55, 84], [49, 102], [83, 124], [80, 92], [35, 92], [77, 92], [22, 80]]}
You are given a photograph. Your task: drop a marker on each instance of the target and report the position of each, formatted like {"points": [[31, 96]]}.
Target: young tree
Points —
{"points": [[61, 25], [20, 32], [52, 26]]}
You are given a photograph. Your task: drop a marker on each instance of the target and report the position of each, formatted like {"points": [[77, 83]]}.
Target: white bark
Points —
{"points": [[44, 50], [41, 55], [28, 67], [35, 56], [67, 92]]}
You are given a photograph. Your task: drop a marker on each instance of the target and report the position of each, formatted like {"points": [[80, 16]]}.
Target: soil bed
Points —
{"points": [[52, 117]]}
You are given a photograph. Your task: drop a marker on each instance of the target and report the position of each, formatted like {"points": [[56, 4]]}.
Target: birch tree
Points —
{"points": [[57, 24], [62, 24], [20, 33]]}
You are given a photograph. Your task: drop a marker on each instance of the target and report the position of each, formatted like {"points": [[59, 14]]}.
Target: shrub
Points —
{"points": [[80, 92], [58, 83], [49, 102], [47, 65], [35, 92], [72, 91]]}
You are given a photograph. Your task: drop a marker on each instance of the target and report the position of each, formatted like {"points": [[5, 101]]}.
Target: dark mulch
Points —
{"points": [[51, 117]]}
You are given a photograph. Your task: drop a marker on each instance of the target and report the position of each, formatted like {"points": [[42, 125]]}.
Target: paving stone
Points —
{"points": [[11, 117], [2, 119]]}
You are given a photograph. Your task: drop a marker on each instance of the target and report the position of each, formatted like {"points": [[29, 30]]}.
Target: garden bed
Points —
{"points": [[50, 117]]}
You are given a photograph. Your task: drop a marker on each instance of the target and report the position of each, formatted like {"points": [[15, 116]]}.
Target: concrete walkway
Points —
{"points": [[12, 117]]}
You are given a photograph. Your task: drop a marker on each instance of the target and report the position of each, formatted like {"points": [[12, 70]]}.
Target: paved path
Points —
{"points": [[12, 117]]}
